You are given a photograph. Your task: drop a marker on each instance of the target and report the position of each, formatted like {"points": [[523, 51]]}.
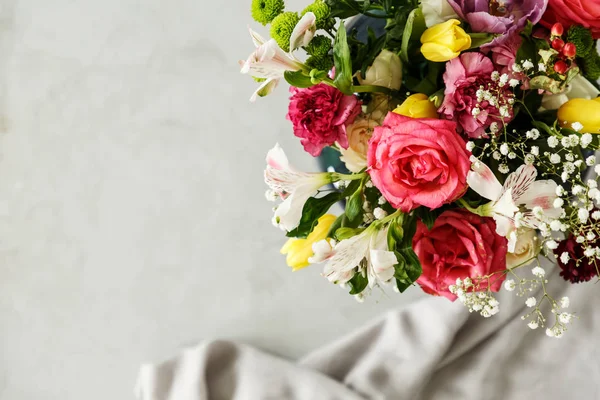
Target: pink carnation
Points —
{"points": [[504, 57], [320, 115], [418, 161], [459, 245], [464, 76]]}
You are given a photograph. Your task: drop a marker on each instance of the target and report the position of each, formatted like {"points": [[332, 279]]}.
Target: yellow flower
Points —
{"points": [[445, 41], [586, 112], [417, 106], [300, 250]]}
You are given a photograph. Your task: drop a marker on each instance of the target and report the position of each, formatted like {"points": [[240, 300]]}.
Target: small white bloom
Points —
{"points": [[538, 271], [379, 213], [495, 76], [565, 302], [564, 257], [381, 201], [590, 236], [494, 127], [564, 317], [531, 302], [558, 202], [541, 67], [470, 146], [504, 149], [577, 189], [516, 68], [586, 139], [535, 150], [533, 325], [590, 161], [504, 111], [565, 142], [583, 215], [527, 64], [496, 155], [596, 215], [555, 225], [503, 168], [550, 332], [475, 112], [513, 82], [555, 158], [512, 155], [592, 184], [551, 244], [529, 159], [577, 126], [560, 191], [509, 285], [589, 252], [580, 239], [552, 141], [597, 169]]}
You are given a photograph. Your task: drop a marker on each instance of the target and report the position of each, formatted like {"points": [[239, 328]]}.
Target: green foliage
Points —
{"points": [[591, 65], [400, 234], [427, 216], [581, 38], [358, 283], [424, 77], [321, 63], [343, 62], [343, 8], [365, 53], [282, 27], [346, 233], [265, 11], [411, 37], [319, 46], [322, 14], [314, 208], [354, 207], [298, 79]]}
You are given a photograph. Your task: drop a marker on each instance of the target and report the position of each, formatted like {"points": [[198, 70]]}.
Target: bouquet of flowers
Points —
{"points": [[468, 130]]}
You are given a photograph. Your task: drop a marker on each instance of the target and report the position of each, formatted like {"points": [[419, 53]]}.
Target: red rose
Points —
{"points": [[459, 245], [574, 12], [418, 161], [320, 115]]}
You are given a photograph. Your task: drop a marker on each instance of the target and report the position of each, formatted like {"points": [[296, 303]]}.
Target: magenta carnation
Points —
{"points": [[320, 115], [578, 268], [464, 76]]}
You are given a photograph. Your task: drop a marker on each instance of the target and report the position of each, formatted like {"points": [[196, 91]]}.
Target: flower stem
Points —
{"points": [[347, 177]]}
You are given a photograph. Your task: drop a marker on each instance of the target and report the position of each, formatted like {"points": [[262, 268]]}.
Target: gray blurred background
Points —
{"points": [[133, 221]]}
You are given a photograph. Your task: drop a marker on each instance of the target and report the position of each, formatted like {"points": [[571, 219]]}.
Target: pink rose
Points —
{"points": [[574, 12], [463, 78], [418, 161], [459, 245], [320, 115]]}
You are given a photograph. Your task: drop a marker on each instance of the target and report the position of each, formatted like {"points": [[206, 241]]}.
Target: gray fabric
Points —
{"points": [[432, 349]]}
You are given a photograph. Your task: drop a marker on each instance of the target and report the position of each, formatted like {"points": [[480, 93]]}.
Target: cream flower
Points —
{"points": [[385, 71], [578, 88], [437, 11], [526, 248], [358, 133]]}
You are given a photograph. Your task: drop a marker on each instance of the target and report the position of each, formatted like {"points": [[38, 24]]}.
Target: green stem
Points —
{"points": [[347, 177], [466, 205]]}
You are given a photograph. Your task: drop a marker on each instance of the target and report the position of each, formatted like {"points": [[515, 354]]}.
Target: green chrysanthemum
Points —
{"points": [[282, 27], [322, 13], [321, 63], [581, 38], [591, 65], [319, 46], [265, 11]]}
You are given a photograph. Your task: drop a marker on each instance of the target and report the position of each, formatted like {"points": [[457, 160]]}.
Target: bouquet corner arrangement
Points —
{"points": [[467, 131]]}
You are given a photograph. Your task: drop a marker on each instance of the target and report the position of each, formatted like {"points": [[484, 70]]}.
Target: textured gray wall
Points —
{"points": [[132, 212]]}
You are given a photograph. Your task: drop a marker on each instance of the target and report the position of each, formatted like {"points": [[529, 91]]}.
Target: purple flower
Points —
{"points": [[499, 16]]}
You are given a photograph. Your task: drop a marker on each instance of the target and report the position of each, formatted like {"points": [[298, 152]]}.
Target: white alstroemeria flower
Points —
{"points": [[519, 195], [293, 186], [578, 88], [268, 61], [304, 31], [368, 249], [437, 11]]}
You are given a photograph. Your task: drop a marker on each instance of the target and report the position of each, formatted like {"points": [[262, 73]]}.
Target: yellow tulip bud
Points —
{"points": [[586, 112], [417, 106], [298, 251], [445, 41]]}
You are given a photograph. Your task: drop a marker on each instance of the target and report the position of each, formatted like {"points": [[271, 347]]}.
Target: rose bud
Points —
{"points": [[561, 67], [569, 50], [557, 29], [558, 44]]}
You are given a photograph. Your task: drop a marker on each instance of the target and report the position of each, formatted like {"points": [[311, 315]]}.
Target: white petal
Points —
{"points": [[520, 181], [505, 205], [581, 88], [265, 88], [347, 255], [483, 181], [256, 38], [304, 31], [277, 159], [289, 211], [383, 262], [505, 227], [541, 194]]}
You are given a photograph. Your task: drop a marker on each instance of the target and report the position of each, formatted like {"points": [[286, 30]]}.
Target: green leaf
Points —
{"points": [[409, 225], [313, 209], [343, 62], [347, 233], [414, 28], [343, 8], [427, 216], [298, 79], [479, 39], [335, 226], [358, 283], [354, 206]]}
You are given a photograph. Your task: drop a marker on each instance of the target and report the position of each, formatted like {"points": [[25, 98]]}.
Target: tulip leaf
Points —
{"points": [[354, 207], [481, 38], [342, 61], [314, 208], [414, 28], [358, 283], [298, 79]]}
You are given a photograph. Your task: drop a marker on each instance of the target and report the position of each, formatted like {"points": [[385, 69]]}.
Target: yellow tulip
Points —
{"points": [[445, 41], [586, 112], [300, 250], [417, 106]]}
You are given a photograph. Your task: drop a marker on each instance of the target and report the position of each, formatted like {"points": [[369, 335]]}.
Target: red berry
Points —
{"points": [[569, 50], [557, 29], [561, 67], [558, 44]]}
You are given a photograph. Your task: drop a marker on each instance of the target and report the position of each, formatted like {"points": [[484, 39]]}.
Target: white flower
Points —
{"points": [[268, 61], [369, 248], [596, 215], [379, 213], [535, 150], [292, 186], [555, 158], [519, 188], [552, 244], [509, 285], [526, 248], [590, 161], [385, 71], [437, 11], [527, 64], [597, 169], [579, 87], [564, 317], [470, 145], [564, 257], [550, 332], [586, 139], [322, 250], [539, 272], [513, 82], [304, 31], [553, 141], [577, 126], [583, 215], [533, 325], [565, 302], [531, 302]]}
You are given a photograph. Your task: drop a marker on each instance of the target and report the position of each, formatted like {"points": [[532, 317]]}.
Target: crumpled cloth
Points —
{"points": [[431, 349]]}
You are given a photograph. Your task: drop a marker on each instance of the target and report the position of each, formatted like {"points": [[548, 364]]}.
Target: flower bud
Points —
{"points": [[557, 29], [385, 71], [417, 106], [586, 112], [445, 41], [298, 251]]}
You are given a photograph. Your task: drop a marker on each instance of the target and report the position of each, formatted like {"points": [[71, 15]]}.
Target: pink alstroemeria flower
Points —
{"points": [[304, 31], [292, 186], [512, 204]]}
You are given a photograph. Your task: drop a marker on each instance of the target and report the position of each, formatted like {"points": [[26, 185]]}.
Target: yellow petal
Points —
{"points": [[298, 251], [586, 112], [438, 53], [417, 106]]}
